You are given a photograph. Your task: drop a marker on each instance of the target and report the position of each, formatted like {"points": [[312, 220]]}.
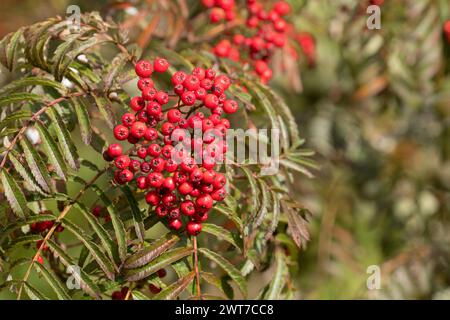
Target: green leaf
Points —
{"points": [[20, 97], [54, 155], [58, 67], [221, 233], [14, 194], [296, 167], [136, 212], [254, 191], [151, 252], [102, 234], [33, 293], [9, 47], [37, 166], [279, 104], [53, 281], [28, 82], [234, 273], [119, 228], [162, 261], [88, 284], [175, 289], [116, 65], [67, 146], [137, 295], [104, 263], [104, 106], [219, 283], [230, 214], [279, 278], [83, 119], [15, 116]]}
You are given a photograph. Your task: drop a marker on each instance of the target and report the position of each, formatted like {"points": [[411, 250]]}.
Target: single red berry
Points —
{"points": [[143, 69], [155, 179], [230, 106], [193, 228], [169, 199], [161, 273], [122, 162], [150, 134], [204, 201], [141, 152], [117, 295], [171, 165], [210, 74], [179, 89], [138, 129], [149, 93], [161, 211], [141, 182], [219, 181], [157, 164], [187, 208], [154, 289], [167, 128], [128, 119], [154, 108], [152, 198], [175, 224], [97, 210], [216, 15], [185, 188], [188, 98], [137, 103], [135, 165], [145, 83], [200, 93], [160, 65], [162, 97], [121, 132], [169, 184], [115, 150], [179, 77], [124, 176], [145, 167], [174, 115], [211, 101], [154, 150], [219, 194]]}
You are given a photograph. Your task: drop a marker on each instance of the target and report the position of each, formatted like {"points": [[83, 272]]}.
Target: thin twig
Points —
{"points": [[197, 273]]}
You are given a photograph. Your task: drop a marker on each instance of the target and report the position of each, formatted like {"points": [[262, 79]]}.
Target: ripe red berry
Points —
{"points": [[161, 273], [216, 15], [141, 182], [193, 228], [114, 150], [211, 101], [219, 181], [185, 188], [204, 201], [154, 289], [230, 106], [175, 224], [160, 65], [149, 93], [122, 162], [137, 103], [145, 83], [162, 97], [219, 194], [188, 98], [174, 115], [121, 132], [154, 150], [152, 198], [150, 134], [138, 129], [155, 179], [187, 208], [179, 77], [124, 176], [143, 69], [97, 210], [161, 211]]}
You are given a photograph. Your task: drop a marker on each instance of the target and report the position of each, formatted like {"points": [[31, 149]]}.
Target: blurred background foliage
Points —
{"points": [[375, 106]]}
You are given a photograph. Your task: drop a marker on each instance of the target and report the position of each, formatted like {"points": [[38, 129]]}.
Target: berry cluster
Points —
{"points": [[220, 10], [98, 212], [175, 167], [44, 226], [266, 30]]}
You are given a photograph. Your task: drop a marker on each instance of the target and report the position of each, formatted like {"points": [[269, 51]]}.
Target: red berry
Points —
{"points": [[230, 106], [155, 179], [149, 93], [162, 97], [174, 115], [150, 134], [141, 152], [141, 182], [114, 150], [154, 150], [216, 15], [161, 211], [204, 201], [189, 98], [145, 83], [211, 101], [138, 129], [154, 289], [152, 198], [128, 119], [161, 273], [175, 224], [143, 69], [219, 181], [185, 188], [160, 65], [219, 194], [121, 132], [179, 77], [193, 228], [97, 210], [137, 103], [122, 162]]}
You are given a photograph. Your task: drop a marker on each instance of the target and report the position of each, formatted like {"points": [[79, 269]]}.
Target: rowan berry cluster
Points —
{"points": [[175, 150], [266, 30], [43, 226]]}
